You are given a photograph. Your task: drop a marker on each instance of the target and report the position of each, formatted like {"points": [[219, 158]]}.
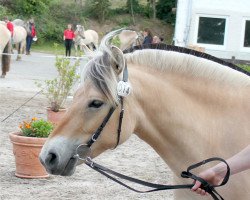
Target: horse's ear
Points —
{"points": [[118, 63]]}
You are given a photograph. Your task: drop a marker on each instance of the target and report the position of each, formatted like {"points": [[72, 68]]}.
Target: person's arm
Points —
{"points": [[73, 34], [64, 35], [238, 163]]}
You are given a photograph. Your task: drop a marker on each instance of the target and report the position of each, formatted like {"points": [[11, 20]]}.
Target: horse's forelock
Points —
{"points": [[101, 74], [100, 71]]}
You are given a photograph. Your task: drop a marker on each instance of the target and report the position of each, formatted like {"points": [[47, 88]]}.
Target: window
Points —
{"points": [[247, 34], [211, 30]]}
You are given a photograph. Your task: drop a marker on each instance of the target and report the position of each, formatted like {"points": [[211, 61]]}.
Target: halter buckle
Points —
{"points": [[89, 162]]}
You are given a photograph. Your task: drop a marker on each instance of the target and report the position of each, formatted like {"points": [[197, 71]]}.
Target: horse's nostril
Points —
{"points": [[51, 160]]}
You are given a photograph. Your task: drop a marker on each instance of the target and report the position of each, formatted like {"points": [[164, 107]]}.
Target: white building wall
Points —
{"points": [[183, 20], [235, 11]]}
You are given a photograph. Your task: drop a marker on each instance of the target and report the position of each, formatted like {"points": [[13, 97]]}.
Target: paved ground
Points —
{"points": [[134, 158]]}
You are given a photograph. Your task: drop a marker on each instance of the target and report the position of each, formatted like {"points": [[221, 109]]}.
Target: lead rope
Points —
{"points": [[158, 187]]}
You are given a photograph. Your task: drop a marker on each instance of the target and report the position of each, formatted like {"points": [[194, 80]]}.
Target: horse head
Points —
{"points": [[79, 30], [91, 104]]}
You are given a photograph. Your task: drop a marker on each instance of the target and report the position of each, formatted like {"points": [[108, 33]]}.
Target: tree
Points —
{"points": [[99, 9], [31, 7], [152, 4], [164, 10]]}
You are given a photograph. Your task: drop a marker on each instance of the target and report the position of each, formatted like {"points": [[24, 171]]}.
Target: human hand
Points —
{"points": [[211, 177], [196, 188]]}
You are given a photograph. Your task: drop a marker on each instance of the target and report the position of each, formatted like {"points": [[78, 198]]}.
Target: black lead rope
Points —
{"points": [[158, 187], [85, 150]]}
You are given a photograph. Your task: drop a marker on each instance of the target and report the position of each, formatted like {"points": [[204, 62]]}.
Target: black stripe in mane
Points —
{"points": [[162, 46]]}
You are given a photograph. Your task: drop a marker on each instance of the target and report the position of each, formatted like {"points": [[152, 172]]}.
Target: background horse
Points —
{"points": [[5, 47], [186, 107], [88, 38], [3, 23], [19, 37], [129, 39], [19, 22]]}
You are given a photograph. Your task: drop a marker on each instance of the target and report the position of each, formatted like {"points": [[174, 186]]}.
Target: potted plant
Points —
{"points": [[27, 145], [58, 89]]}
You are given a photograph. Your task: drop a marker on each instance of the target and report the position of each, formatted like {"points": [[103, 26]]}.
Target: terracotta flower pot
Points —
{"points": [[26, 151], [55, 117]]}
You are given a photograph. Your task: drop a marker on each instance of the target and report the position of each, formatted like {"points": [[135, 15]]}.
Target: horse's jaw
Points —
{"points": [[58, 156]]}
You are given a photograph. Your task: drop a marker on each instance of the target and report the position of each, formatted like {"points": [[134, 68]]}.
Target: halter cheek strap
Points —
{"points": [[98, 132]]}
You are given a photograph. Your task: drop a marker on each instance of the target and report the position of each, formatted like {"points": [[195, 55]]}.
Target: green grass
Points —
{"points": [[49, 47], [245, 67]]}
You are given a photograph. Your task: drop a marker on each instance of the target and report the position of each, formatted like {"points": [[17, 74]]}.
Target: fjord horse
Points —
{"points": [[19, 37], [5, 49], [129, 38], [186, 107], [85, 39]]}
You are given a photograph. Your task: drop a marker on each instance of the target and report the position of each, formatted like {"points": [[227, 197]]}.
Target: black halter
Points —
{"points": [[83, 153], [111, 111]]}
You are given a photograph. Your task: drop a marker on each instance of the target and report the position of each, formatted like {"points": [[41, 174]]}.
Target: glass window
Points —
{"points": [[211, 30], [247, 34]]}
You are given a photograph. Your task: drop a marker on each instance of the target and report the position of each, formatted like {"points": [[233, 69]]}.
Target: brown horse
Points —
{"points": [[5, 49], [186, 107]]}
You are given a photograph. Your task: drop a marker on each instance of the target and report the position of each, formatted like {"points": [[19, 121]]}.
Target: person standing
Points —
{"points": [[68, 37], [148, 37], [31, 33], [156, 40]]}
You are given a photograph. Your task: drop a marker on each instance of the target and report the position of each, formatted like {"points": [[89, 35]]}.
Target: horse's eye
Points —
{"points": [[95, 104]]}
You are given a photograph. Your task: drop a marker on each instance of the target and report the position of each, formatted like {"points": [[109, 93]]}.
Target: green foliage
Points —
{"points": [[36, 128], [3, 12], [31, 7], [57, 89], [133, 4], [164, 10], [98, 9], [52, 16], [51, 25], [116, 41]]}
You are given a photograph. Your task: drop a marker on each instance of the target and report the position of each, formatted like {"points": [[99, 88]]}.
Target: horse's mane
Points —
{"points": [[162, 57], [168, 58]]}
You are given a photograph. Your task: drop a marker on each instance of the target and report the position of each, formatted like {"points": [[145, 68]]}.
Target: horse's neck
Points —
{"points": [[174, 110]]}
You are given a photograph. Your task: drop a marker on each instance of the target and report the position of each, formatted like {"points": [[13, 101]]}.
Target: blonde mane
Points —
{"points": [[170, 61], [100, 72]]}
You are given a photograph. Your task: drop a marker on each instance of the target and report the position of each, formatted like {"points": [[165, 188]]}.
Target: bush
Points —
{"points": [[36, 128], [57, 89], [3, 12]]}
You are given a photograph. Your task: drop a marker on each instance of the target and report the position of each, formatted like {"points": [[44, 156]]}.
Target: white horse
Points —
{"points": [[19, 22], [5, 47], [19, 39], [3, 23], [88, 38], [19, 36]]}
